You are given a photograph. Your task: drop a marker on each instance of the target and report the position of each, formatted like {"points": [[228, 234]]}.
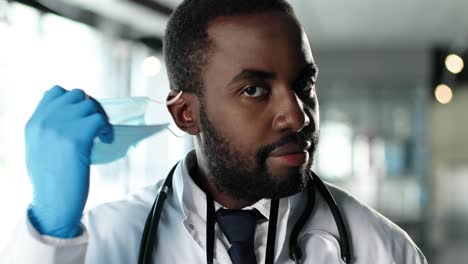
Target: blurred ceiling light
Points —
{"points": [[454, 63], [443, 94], [151, 66]]}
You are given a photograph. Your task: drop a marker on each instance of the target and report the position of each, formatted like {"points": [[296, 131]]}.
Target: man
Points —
{"points": [[248, 80]]}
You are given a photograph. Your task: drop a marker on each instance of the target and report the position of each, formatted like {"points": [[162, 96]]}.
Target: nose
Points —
{"points": [[290, 114]]}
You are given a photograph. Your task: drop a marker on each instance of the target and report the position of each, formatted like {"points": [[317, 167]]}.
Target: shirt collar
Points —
{"points": [[193, 200]]}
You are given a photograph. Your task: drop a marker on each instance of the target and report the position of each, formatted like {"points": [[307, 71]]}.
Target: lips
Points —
{"points": [[291, 148]]}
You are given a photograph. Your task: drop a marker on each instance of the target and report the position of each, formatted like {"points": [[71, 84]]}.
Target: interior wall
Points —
{"points": [[383, 95], [448, 128]]}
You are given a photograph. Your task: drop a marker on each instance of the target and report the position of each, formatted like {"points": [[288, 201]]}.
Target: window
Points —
{"points": [[38, 51]]}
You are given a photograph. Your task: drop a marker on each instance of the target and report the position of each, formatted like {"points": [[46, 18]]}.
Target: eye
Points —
{"points": [[255, 91], [306, 86]]}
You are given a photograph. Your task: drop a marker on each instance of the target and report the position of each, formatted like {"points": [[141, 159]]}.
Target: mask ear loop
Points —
{"points": [[169, 102], [174, 133]]}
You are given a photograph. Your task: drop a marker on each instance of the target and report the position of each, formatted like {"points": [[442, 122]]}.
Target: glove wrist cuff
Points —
{"points": [[60, 231]]}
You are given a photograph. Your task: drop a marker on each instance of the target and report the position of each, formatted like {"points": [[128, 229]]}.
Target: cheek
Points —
{"points": [[243, 129]]}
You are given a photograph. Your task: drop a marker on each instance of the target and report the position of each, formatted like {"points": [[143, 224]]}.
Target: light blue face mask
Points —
{"points": [[127, 116]]}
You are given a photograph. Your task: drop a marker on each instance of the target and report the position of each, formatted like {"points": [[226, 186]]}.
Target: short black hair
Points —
{"points": [[186, 44]]}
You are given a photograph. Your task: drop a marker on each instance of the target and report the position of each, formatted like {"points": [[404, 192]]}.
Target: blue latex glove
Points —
{"points": [[59, 137]]}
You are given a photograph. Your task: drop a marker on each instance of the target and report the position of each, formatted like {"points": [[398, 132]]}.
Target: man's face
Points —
{"points": [[259, 113]]}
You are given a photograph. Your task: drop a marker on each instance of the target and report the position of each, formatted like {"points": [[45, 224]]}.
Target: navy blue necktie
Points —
{"points": [[239, 228]]}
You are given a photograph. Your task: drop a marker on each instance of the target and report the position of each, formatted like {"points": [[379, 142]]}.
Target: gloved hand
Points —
{"points": [[59, 137]]}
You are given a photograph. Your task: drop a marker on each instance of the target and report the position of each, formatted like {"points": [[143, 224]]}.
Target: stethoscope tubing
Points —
{"points": [[147, 241], [345, 247], [152, 222]]}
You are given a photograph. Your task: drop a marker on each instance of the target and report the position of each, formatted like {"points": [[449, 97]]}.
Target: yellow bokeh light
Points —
{"points": [[454, 63], [443, 94], [151, 66]]}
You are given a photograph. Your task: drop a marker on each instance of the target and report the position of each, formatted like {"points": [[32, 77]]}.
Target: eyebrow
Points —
{"points": [[310, 69], [253, 74]]}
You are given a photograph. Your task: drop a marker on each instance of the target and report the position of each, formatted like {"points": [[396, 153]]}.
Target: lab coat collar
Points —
{"points": [[193, 201], [191, 198]]}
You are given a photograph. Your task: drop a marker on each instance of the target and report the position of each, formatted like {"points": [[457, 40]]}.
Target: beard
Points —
{"points": [[246, 177]]}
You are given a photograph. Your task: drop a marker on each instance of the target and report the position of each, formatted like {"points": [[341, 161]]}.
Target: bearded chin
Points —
{"points": [[244, 177]]}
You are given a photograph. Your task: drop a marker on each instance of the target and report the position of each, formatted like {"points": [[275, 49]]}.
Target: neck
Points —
{"points": [[201, 177], [228, 201]]}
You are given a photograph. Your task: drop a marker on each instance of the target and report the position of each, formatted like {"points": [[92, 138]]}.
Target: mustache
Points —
{"points": [[298, 138]]}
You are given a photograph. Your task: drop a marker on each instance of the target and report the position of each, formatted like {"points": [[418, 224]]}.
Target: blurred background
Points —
{"points": [[392, 88]]}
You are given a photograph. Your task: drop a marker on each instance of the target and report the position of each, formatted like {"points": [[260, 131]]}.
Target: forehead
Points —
{"points": [[270, 41]]}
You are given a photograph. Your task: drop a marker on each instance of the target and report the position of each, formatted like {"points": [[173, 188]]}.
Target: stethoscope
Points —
{"points": [[148, 241]]}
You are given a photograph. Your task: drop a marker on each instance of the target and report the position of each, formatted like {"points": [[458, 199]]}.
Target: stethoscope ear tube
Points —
{"points": [[271, 237], [294, 250], [144, 238], [345, 247], [153, 227], [147, 241]]}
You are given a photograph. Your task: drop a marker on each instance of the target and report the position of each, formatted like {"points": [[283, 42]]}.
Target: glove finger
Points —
{"points": [[72, 97], [99, 108], [51, 94], [95, 125], [69, 107], [82, 109], [107, 134]]}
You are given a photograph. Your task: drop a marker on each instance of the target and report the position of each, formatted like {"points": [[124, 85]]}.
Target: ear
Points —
{"points": [[184, 112]]}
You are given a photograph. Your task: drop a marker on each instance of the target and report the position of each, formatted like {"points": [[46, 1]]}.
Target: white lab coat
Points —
{"points": [[113, 232]]}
